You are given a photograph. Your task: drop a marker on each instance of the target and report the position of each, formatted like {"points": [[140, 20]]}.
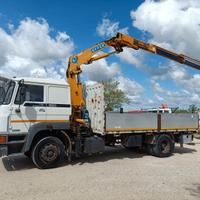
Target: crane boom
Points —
{"points": [[92, 54]]}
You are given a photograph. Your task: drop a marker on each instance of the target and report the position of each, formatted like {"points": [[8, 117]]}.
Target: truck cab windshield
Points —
{"points": [[6, 91]]}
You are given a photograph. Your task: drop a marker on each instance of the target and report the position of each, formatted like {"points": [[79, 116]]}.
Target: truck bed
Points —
{"points": [[114, 122]]}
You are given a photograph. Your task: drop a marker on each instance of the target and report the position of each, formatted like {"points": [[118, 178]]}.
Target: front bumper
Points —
{"points": [[11, 144], [3, 145], [3, 150]]}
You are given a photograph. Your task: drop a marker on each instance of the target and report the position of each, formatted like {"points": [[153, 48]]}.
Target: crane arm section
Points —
{"points": [[118, 43]]}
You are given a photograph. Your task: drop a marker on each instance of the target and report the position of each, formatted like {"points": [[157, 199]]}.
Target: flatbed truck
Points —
{"points": [[49, 120]]}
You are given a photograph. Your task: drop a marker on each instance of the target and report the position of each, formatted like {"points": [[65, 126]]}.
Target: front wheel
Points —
{"points": [[48, 152]]}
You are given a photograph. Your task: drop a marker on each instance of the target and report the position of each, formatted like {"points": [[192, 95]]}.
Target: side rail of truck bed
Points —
{"points": [[149, 122]]}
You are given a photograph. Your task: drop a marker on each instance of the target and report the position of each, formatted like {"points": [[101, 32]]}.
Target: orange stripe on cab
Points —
{"points": [[33, 120]]}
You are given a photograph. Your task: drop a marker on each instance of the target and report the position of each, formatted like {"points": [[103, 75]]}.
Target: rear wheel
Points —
{"points": [[164, 146], [48, 152], [149, 149]]}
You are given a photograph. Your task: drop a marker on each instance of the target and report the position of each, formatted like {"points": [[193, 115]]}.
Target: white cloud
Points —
{"points": [[159, 98], [172, 23], [109, 28], [132, 57], [187, 81], [182, 97], [156, 87], [30, 50], [90, 83], [100, 70], [177, 74], [132, 89]]}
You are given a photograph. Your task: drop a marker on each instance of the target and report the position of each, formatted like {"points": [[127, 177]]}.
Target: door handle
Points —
{"points": [[41, 110]]}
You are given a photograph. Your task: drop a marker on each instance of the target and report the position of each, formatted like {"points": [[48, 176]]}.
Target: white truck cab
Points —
{"points": [[30, 105]]}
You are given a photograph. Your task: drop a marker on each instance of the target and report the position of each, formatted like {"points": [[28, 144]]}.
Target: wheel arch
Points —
{"points": [[41, 130], [152, 138]]}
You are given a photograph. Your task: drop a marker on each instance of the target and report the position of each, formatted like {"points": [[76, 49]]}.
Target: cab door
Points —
{"points": [[58, 108], [29, 108]]}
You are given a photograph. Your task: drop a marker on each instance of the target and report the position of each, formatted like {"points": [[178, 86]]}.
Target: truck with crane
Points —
{"points": [[49, 120]]}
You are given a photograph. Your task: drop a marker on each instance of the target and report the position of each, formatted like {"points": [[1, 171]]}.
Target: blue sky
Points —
{"points": [[78, 18], [37, 37]]}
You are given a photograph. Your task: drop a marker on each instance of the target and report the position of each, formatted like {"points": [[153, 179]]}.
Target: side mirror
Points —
{"points": [[21, 82], [22, 91], [22, 94]]}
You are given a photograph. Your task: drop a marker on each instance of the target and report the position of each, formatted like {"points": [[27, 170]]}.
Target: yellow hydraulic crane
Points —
{"points": [[118, 42]]}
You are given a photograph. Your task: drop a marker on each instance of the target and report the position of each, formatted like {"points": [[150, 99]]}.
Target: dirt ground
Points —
{"points": [[116, 174]]}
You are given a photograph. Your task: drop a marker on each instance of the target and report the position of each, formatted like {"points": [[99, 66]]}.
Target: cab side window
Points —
{"points": [[33, 93]]}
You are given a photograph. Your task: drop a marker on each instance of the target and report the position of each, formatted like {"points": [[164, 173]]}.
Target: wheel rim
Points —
{"points": [[49, 153], [165, 146]]}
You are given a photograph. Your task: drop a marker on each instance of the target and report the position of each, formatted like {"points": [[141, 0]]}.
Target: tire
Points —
{"points": [[164, 146], [149, 149], [48, 153]]}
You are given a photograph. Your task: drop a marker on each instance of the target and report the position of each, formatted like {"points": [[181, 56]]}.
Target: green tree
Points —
{"points": [[181, 111], [192, 108], [114, 97]]}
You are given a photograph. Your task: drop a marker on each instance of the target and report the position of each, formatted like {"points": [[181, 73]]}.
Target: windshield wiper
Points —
{"points": [[2, 95], [6, 96]]}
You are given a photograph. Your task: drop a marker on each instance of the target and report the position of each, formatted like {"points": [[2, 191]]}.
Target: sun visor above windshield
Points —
{"points": [[3, 79]]}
